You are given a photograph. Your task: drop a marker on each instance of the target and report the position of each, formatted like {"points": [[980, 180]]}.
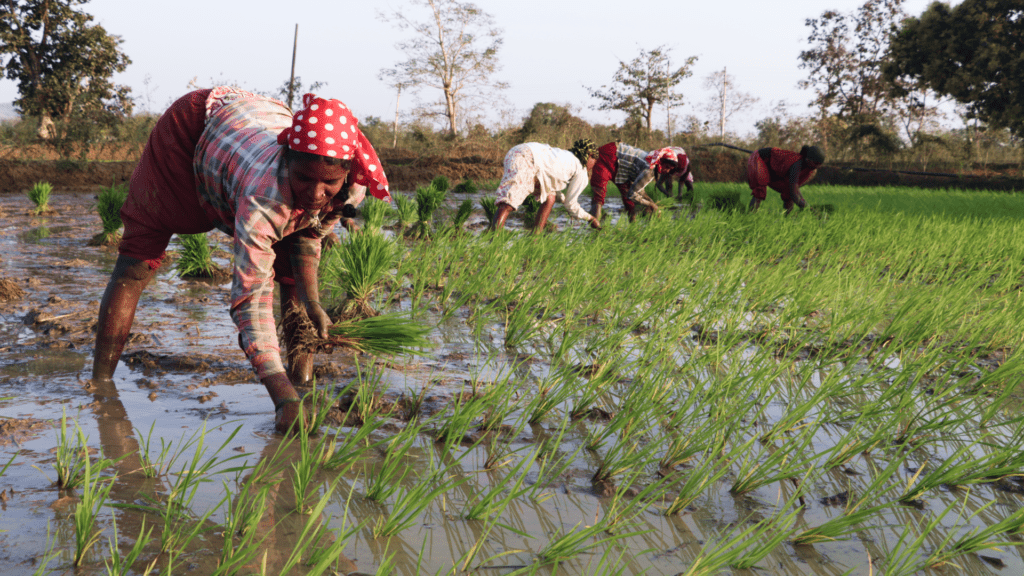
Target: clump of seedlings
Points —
{"points": [[440, 183], [355, 268], [428, 200], [467, 186], [405, 210], [39, 194], [725, 201], [375, 212], [196, 258], [462, 214], [108, 204], [489, 205]]}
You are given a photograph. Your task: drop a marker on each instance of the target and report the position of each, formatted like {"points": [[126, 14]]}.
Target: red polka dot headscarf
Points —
{"points": [[662, 160], [328, 128]]}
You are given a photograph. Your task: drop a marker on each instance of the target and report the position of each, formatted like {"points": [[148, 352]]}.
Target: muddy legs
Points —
{"points": [[499, 218], [117, 312]]}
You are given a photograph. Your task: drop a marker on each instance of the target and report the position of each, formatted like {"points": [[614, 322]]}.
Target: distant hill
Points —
{"points": [[8, 112]]}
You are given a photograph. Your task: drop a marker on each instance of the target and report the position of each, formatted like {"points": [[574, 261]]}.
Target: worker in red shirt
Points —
{"points": [[783, 171]]}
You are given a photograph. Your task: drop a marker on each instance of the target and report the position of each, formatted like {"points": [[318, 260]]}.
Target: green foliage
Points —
{"points": [[973, 51], [39, 194], [63, 63], [725, 201], [405, 209], [384, 334], [357, 266], [196, 257]]}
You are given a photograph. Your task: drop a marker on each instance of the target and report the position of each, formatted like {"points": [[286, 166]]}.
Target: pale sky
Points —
{"points": [[552, 48]]}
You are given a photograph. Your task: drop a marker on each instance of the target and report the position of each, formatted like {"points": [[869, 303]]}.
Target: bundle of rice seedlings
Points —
{"points": [[374, 213], [405, 209], [489, 204], [385, 334], [440, 183], [39, 194], [465, 187], [355, 268], [196, 257], [108, 204], [822, 210], [428, 200], [462, 214]]}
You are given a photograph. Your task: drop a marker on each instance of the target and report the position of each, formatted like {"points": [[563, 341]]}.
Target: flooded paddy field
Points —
{"points": [[704, 392]]}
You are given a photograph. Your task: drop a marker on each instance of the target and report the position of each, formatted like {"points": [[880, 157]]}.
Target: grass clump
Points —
{"points": [[428, 200], [375, 212], [405, 210], [489, 205], [39, 194], [385, 334], [725, 201], [355, 268], [196, 257], [462, 214], [108, 205], [440, 183], [467, 186]]}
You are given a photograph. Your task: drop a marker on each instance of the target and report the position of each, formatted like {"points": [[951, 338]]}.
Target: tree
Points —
{"points": [[455, 51], [639, 85], [726, 100], [62, 63], [973, 52]]}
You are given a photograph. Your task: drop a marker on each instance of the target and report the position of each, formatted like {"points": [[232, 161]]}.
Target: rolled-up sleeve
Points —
{"points": [[571, 201]]}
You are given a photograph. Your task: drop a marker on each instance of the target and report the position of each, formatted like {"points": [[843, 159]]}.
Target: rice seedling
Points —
{"points": [[196, 257], [440, 183], [95, 491], [977, 539], [242, 539], [453, 424], [413, 500], [118, 564], [428, 200], [467, 186], [356, 268], [108, 205], [765, 536], [405, 211], [698, 480], [509, 488], [725, 201], [392, 470], [72, 457], [374, 213], [312, 533], [565, 545], [305, 470], [490, 207], [462, 214], [39, 194]]}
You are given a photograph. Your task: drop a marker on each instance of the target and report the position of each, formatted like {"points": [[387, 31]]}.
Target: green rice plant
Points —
{"points": [[72, 456], [462, 214], [39, 194], [490, 207], [552, 392], [551, 464], [765, 536], [305, 470], [375, 212], [152, 468], [356, 268], [531, 208], [108, 205], [428, 200], [385, 334], [121, 565], [412, 501], [95, 491], [697, 481], [355, 444], [510, 487], [312, 533], [196, 257], [242, 539], [467, 186], [773, 464], [392, 470], [405, 210], [452, 426], [977, 539], [565, 545], [440, 183]]}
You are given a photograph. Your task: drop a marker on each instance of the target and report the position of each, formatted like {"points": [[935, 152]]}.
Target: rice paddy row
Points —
{"points": [[728, 388]]}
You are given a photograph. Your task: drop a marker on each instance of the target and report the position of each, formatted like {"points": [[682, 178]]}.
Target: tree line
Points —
{"points": [[878, 77]]}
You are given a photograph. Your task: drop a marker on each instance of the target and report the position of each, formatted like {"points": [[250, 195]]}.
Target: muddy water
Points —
{"points": [[183, 378]]}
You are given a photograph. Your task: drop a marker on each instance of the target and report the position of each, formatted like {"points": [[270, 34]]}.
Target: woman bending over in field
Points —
{"points": [[783, 171], [546, 173], [227, 159]]}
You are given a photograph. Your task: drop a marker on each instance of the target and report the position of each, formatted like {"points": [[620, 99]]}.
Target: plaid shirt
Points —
{"points": [[632, 163], [243, 185]]}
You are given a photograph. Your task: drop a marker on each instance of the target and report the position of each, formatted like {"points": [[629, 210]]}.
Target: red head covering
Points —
{"points": [[662, 160], [328, 128]]}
